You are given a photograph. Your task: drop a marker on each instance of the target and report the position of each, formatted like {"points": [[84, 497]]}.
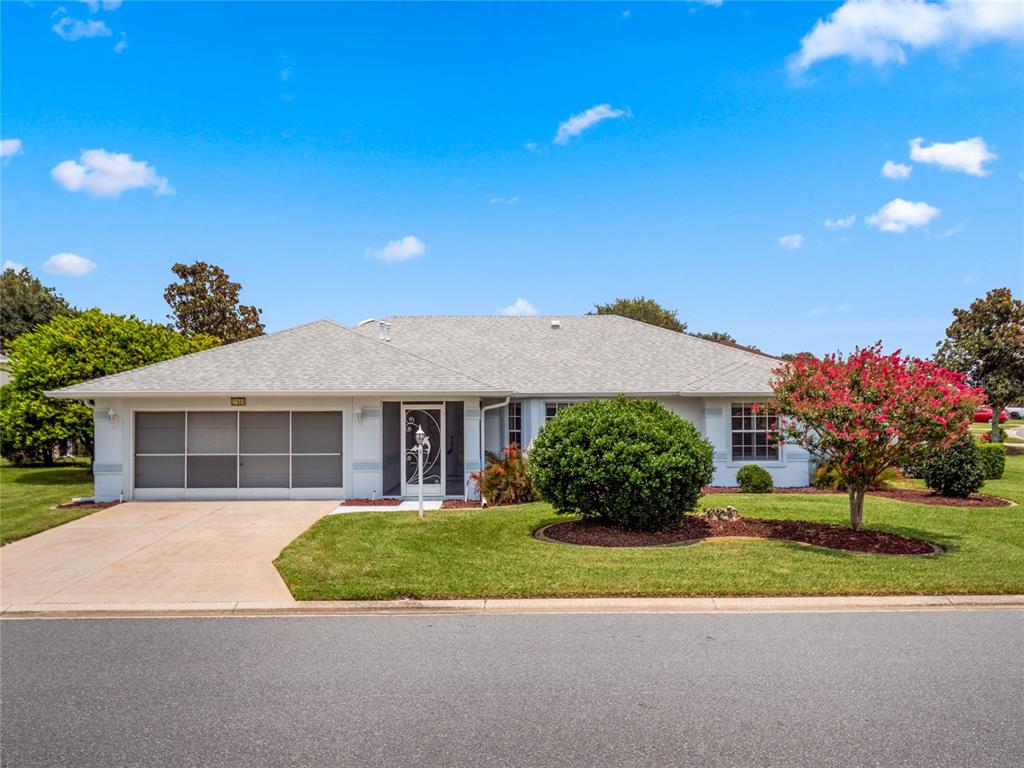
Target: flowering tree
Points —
{"points": [[870, 411]]}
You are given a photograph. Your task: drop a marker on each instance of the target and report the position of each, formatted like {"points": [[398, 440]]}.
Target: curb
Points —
{"points": [[595, 605]]}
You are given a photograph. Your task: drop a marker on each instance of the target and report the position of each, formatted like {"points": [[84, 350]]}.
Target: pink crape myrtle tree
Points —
{"points": [[870, 411]]}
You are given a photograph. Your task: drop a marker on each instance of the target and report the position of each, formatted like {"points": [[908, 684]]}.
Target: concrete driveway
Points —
{"points": [[158, 552]]}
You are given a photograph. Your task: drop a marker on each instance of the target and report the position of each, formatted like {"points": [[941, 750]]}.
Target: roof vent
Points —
{"points": [[556, 323], [385, 330], [367, 321]]}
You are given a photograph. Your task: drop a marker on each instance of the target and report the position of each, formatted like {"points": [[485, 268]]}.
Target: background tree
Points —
{"points": [[25, 304], [67, 350], [645, 310], [869, 412], [715, 336], [205, 301], [986, 342]]}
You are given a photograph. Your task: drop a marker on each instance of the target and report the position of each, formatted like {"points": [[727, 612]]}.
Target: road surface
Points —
{"points": [[845, 689]]}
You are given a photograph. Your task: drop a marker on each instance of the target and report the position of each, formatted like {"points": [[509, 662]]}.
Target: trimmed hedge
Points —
{"points": [[631, 463], [993, 460], [956, 471], [754, 479]]}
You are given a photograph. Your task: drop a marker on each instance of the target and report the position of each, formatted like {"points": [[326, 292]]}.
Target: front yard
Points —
{"points": [[473, 553], [29, 497]]}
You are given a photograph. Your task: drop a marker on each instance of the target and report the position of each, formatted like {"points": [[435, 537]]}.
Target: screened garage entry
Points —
{"points": [[238, 454]]}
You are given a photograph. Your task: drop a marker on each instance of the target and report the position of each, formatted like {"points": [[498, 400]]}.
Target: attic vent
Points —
{"points": [[556, 323], [385, 330]]}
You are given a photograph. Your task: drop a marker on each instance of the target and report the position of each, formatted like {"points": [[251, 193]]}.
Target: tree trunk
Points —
{"points": [[856, 509], [994, 436]]}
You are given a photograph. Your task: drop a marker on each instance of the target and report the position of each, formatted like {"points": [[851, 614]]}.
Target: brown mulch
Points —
{"points": [[88, 505], [921, 496], [459, 504], [370, 503], [913, 495], [694, 528]]}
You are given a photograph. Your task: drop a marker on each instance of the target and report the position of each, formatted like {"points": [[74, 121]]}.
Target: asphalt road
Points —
{"points": [[854, 689]]}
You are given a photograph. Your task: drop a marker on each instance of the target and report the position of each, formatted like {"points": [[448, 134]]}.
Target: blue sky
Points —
{"points": [[352, 161]]}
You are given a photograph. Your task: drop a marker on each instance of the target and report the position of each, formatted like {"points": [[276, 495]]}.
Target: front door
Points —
{"points": [[431, 419]]}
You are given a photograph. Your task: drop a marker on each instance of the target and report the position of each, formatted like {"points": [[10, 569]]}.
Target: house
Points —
{"points": [[327, 411]]}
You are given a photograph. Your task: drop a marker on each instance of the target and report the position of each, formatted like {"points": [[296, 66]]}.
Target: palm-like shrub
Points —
{"points": [[632, 463], [504, 479]]}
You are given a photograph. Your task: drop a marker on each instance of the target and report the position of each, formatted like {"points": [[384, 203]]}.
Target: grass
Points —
{"points": [[977, 430], [473, 553], [29, 497]]}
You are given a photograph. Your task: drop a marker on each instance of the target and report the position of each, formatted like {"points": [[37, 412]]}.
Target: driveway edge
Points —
{"points": [[525, 606]]}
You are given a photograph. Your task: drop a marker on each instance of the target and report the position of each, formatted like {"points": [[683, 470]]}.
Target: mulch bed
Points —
{"points": [[370, 503], [921, 496], [694, 528], [913, 495], [88, 505]]}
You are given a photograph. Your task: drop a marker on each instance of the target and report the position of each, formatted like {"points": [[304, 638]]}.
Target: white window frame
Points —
{"points": [[733, 461]]}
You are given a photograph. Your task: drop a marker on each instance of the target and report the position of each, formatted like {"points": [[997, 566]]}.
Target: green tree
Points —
{"points": [[205, 301], [68, 350], [715, 336], [645, 310], [986, 342], [25, 304]]}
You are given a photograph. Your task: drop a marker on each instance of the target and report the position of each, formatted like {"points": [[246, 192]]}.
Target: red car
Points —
{"points": [[984, 415]]}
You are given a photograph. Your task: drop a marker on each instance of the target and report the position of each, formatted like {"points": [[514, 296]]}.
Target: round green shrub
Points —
{"points": [[993, 460], [631, 463], [955, 471], [754, 479]]}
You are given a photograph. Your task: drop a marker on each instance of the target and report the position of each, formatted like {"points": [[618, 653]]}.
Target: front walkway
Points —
{"points": [[158, 553]]}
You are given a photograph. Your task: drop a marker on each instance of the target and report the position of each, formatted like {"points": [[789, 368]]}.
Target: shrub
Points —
{"points": [[631, 463], [993, 460], [828, 478], [504, 479], [754, 479], [955, 471]]}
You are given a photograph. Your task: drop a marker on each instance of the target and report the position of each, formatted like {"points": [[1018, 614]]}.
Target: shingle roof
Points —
{"points": [[588, 354], [585, 355], [319, 357]]}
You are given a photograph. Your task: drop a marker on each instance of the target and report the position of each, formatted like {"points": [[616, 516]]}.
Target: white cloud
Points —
{"points": [[580, 122], [952, 231], [107, 5], [970, 278], [843, 222], [408, 247], [8, 264], [504, 200], [285, 74], [121, 44], [816, 311], [899, 215], [75, 29], [108, 174], [791, 242], [883, 31], [69, 265], [519, 308], [893, 170], [531, 146], [626, 14], [9, 148], [967, 156]]}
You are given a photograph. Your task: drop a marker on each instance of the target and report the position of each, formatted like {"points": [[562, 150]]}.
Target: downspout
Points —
{"points": [[483, 411]]}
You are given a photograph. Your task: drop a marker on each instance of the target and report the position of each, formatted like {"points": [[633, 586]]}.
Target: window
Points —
{"points": [[550, 409], [515, 424], [750, 433]]}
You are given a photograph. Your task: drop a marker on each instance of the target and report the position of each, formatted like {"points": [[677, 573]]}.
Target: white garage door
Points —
{"points": [[231, 454]]}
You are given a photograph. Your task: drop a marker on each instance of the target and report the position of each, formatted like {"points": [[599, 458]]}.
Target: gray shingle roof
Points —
{"points": [[586, 355], [589, 354], [319, 357]]}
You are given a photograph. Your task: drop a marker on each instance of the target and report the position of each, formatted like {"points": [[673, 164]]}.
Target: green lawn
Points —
{"points": [[977, 430], [473, 553], [29, 497]]}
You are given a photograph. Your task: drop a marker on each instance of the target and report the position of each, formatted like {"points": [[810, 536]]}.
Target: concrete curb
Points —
{"points": [[525, 606]]}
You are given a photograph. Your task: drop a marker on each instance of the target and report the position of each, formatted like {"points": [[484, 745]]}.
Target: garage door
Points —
{"points": [[246, 455]]}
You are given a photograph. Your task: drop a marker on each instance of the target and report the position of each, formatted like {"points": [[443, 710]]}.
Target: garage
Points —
{"points": [[238, 454]]}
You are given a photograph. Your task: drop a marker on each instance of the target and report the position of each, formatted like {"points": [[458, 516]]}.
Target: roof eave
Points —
{"points": [[91, 395]]}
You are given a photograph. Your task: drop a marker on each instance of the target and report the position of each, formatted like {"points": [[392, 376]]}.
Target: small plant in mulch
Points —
{"points": [[722, 514]]}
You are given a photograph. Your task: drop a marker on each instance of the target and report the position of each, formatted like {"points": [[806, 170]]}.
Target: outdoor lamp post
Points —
{"points": [[422, 442]]}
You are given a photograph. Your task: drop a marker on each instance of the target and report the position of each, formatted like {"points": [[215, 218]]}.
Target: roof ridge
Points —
{"points": [[200, 352], [684, 334]]}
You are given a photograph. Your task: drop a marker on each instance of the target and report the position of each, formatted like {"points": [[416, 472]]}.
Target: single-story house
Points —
{"points": [[328, 411]]}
